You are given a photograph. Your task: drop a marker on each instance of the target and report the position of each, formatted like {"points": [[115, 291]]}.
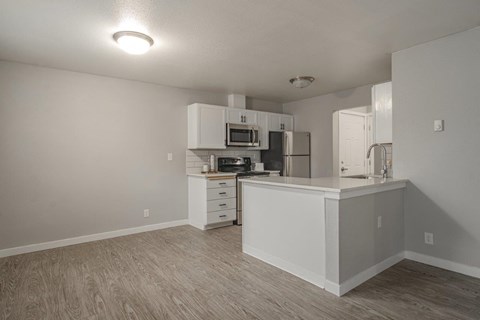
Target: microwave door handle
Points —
{"points": [[254, 138]]}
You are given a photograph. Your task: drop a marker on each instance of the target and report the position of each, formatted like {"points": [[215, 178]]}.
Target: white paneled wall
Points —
{"points": [[197, 158]]}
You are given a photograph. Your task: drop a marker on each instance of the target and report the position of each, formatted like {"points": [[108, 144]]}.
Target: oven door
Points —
{"points": [[242, 135]]}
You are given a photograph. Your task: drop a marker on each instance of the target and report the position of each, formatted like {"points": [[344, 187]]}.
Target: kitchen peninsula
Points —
{"points": [[333, 232]]}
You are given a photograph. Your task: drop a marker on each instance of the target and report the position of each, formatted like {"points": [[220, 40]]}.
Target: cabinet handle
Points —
{"points": [[222, 193], [222, 216], [222, 204], [222, 183]]}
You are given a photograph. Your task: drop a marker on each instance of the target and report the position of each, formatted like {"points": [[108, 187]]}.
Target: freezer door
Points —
{"points": [[296, 166], [296, 143]]}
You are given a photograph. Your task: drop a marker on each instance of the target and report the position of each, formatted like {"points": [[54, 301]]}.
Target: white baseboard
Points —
{"points": [[88, 238], [368, 273], [444, 264], [300, 272]]}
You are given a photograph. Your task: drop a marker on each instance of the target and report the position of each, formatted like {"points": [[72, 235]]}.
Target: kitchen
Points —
{"points": [[225, 186], [99, 147]]}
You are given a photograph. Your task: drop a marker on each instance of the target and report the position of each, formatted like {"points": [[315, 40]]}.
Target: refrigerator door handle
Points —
{"points": [[287, 166], [287, 158]]}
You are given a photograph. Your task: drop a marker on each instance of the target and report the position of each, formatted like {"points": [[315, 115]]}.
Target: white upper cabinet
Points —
{"points": [[287, 122], [280, 122], [262, 122], [206, 126], [241, 116], [382, 112]]}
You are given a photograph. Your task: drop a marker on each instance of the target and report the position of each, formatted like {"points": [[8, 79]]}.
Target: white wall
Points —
{"points": [[83, 154], [315, 115], [440, 80]]}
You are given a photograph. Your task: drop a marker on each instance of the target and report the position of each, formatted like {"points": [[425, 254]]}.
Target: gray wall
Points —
{"points": [[83, 154], [315, 115], [440, 80], [362, 243], [264, 105]]}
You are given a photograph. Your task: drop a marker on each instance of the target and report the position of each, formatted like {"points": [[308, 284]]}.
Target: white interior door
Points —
{"points": [[352, 153]]}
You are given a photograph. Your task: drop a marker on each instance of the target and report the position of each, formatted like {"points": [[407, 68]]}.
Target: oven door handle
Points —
{"points": [[254, 136]]}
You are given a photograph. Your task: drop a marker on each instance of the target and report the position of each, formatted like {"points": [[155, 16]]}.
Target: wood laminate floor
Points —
{"points": [[185, 273]]}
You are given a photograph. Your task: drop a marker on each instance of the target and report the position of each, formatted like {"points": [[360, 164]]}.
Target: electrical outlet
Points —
{"points": [[146, 213], [379, 222], [429, 238], [169, 156]]}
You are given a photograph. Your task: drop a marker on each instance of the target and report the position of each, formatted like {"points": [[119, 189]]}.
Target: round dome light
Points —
{"points": [[302, 82], [133, 42]]}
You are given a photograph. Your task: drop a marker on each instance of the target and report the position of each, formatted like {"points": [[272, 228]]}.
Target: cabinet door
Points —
{"points": [[262, 122], [382, 112], [250, 117], [235, 116], [242, 116], [206, 127], [274, 122], [280, 122], [287, 121]]}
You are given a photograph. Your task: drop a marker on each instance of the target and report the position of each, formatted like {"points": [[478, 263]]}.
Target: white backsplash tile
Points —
{"points": [[195, 159]]}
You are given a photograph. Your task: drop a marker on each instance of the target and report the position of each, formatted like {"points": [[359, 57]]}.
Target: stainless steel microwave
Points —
{"points": [[242, 135]]}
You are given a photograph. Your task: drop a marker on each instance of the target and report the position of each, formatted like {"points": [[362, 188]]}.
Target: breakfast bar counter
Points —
{"points": [[333, 232]]}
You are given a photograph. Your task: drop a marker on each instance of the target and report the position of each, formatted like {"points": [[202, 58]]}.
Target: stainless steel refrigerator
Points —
{"points": [[289, 152]]}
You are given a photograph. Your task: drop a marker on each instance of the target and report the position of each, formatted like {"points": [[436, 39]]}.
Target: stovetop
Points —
{"points": [[242, 166]]}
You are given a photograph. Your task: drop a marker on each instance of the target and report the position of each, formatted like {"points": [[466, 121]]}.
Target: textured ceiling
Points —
{"points": [[231, 46]]}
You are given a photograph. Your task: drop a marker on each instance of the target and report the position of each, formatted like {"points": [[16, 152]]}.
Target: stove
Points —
{"points": [[242, 166]]}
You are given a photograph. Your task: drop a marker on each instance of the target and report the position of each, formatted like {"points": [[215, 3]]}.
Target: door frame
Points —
{"points": [[336, 138]]}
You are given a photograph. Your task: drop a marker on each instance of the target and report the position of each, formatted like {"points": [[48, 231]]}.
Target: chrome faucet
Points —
{"points": [[384, 158]]}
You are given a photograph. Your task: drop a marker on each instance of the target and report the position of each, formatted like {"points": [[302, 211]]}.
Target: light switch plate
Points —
{"points": [[438, 125], [169, 156]]}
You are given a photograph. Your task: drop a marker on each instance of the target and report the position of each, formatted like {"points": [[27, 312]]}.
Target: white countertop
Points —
{"points": [[327, 184], [212, 175]]}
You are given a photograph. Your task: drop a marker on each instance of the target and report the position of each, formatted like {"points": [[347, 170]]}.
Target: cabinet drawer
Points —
{"points": [[222, 204], [221, 216], [221, 193], [225, 183]]}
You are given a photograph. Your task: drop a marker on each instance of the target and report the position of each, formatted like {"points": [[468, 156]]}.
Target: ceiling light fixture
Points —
{"points": [[302, 82], [133, 42]]}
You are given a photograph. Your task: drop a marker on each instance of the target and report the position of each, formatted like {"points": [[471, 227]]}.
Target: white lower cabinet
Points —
{"points": [[212, 202]]}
